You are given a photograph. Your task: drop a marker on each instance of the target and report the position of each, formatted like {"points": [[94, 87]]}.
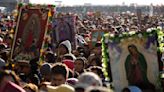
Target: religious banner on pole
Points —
{"points": [[139, 15], [97, 35], [133, 60], [30, 31], [64, 29]]}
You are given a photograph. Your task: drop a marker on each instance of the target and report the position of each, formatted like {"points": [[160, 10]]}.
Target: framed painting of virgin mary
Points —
{"points": [[64, 29], [29, 33], [134, 61]]}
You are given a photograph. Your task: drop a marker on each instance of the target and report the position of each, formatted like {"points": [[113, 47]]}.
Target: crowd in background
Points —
{"points": [[68, 69]]}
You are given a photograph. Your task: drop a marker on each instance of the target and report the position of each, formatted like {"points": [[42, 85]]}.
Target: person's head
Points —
{"points": [[45, 71], [97, 49], [23, 66], [79, 64], [64, 48], [95, 61], [8, 38], [133, 49], [86, 80], [30, 88], [83, 51], [59, 74], [50, 57], [97, 70]]}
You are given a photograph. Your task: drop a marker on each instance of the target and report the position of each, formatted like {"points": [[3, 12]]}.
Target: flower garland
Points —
{"points": [[105, 58], [160, 38], [111, 38], [160, 34]]}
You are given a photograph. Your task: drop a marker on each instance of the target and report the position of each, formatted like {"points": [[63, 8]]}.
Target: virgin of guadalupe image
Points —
{"points": [[136, 69], [30, 36], [63, 30]]}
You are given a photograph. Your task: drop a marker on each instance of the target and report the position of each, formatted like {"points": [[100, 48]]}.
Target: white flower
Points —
{"points": [[132, 32], [149, 30], [140, 35], [160, 28], [111, 35]]}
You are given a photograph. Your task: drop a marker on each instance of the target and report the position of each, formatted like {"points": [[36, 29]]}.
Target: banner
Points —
{"points": [[97, 35], [64, 29], [133, 60], [29, 35]]}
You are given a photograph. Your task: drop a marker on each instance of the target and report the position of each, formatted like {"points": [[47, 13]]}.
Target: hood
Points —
{"points": [[67, 44]]}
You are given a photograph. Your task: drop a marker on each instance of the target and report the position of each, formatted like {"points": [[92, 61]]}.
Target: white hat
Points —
{"points": [[88, 79], [61, 88]]}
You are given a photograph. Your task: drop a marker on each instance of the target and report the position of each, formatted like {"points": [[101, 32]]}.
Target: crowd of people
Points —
{"points": [[68, 69]]}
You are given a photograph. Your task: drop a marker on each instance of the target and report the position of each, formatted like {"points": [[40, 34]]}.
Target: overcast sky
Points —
{"points": [[99, 2]]}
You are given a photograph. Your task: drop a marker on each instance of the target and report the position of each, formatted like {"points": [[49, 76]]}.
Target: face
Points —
{"points": [[57, 80], [132, 51], [26, 70], [78, 65], [62, 50]]}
